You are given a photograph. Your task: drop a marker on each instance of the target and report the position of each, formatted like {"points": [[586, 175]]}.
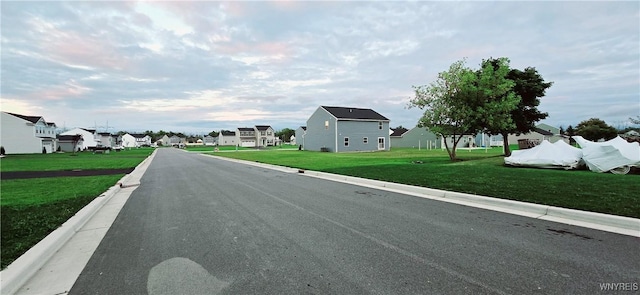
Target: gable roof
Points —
{"points": [[262, 127], [138, 135], [228, 133], [399, 131], [69, 137], [354, 113], [246, 129], [542, 131], [32, 119]]}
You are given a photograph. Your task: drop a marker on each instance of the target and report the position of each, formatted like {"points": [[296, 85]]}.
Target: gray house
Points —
{"points": [[300, 134], [344, 129], [416, 137]]}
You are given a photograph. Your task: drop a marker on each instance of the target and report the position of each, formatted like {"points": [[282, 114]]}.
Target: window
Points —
{"points": [[381, 143], [365, 140], [262, 133], [346, 141], [326, 125], [380, 125]]}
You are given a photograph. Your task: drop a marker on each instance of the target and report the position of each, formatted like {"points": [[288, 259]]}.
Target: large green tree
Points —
{"points": [[285, 134], [529, 86], [445, 110], [595, 129], [462, 101]]}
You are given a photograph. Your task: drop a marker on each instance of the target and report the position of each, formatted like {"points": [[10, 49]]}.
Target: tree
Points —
{"points": [[635, 121], [495, 96], [285, 134], [595, 129], [446, 111], [213, 134], [462, 101], [530, 87]]}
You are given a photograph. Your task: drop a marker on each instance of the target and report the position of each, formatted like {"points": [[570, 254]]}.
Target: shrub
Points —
{"points": [[44, 150], [2, 152]]}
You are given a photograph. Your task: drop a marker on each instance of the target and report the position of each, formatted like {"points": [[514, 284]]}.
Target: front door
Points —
{"points": [[381, 143]]}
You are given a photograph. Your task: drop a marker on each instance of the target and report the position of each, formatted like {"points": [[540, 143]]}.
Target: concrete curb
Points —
{"points": [[22, 269], [606, 222]]}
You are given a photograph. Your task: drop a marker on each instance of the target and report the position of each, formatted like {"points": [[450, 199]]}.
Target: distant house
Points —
{"points": [[209, 140], [70, 143], [537, 135], [90, 137], [265, 135], [549, 128], [177, 140], [419, 138], [106, 139], [163, 140], [22, 134], [346, 129], [227, 138], [246, 137], [300, 133], [136, 140]]}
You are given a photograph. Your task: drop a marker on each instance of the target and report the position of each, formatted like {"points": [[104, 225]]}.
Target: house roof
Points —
{"points": [[354, 113], [51, 124], [304, 128], [138, 135], [542, 131], [228, 133], [399, 131], [69, 137], [105, 133], [262, 127], [246, 129], [90, 130], [32, 119]]}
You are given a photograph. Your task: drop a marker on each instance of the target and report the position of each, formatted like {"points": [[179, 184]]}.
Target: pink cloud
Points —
{"points": [[74, 49]]}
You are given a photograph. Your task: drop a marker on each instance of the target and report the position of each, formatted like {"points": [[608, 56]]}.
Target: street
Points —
{"points": [[199, 225]]}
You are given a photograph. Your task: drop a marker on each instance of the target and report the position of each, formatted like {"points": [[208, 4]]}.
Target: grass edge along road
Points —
{"points": [[481, 172], [32, 208]]}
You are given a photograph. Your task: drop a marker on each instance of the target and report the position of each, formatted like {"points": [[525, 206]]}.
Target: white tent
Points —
{"points": [[547, 155], [616, 155]]}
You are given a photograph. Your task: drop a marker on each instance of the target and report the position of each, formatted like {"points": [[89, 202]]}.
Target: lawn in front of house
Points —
{"points": [[32, 208], [480, 172]]}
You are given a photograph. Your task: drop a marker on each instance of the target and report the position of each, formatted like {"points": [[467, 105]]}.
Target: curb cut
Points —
{"points": [[22, 269], [600, 221]]}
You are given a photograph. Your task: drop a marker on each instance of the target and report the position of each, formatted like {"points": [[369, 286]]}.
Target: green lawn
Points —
{"points": [[480, 172], [32, 208]]}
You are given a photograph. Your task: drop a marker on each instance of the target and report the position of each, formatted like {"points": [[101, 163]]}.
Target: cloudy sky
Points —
{"points": [[195, 67]]}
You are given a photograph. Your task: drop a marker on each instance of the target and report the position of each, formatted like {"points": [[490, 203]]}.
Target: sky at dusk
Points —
{"points": [[194, 67]]}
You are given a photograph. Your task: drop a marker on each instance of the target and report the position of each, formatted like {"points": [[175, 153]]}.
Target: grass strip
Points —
{"points": [[480, 172]]}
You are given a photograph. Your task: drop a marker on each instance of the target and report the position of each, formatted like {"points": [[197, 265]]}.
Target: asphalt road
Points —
{"points": [[199, 225]]}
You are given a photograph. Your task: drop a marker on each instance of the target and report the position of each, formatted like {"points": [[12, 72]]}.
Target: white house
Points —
{"points": [[227, 138], [136, 140], [27, 134], [89, 136]]}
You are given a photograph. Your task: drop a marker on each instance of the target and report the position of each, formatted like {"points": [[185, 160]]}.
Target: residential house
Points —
{"points": [[549, 128], [209, 140], [105, 139], [246, 137], [163, 141], [178, 141], [346, 129], [227, 138], [90, 138], [419, 138], [22, 134], [70, 143], [537, 135], [136, 140], [265, 135], [300, 134]]}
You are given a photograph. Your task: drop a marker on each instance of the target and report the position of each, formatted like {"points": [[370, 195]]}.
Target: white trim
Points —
{"points": [[383, 144]]}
